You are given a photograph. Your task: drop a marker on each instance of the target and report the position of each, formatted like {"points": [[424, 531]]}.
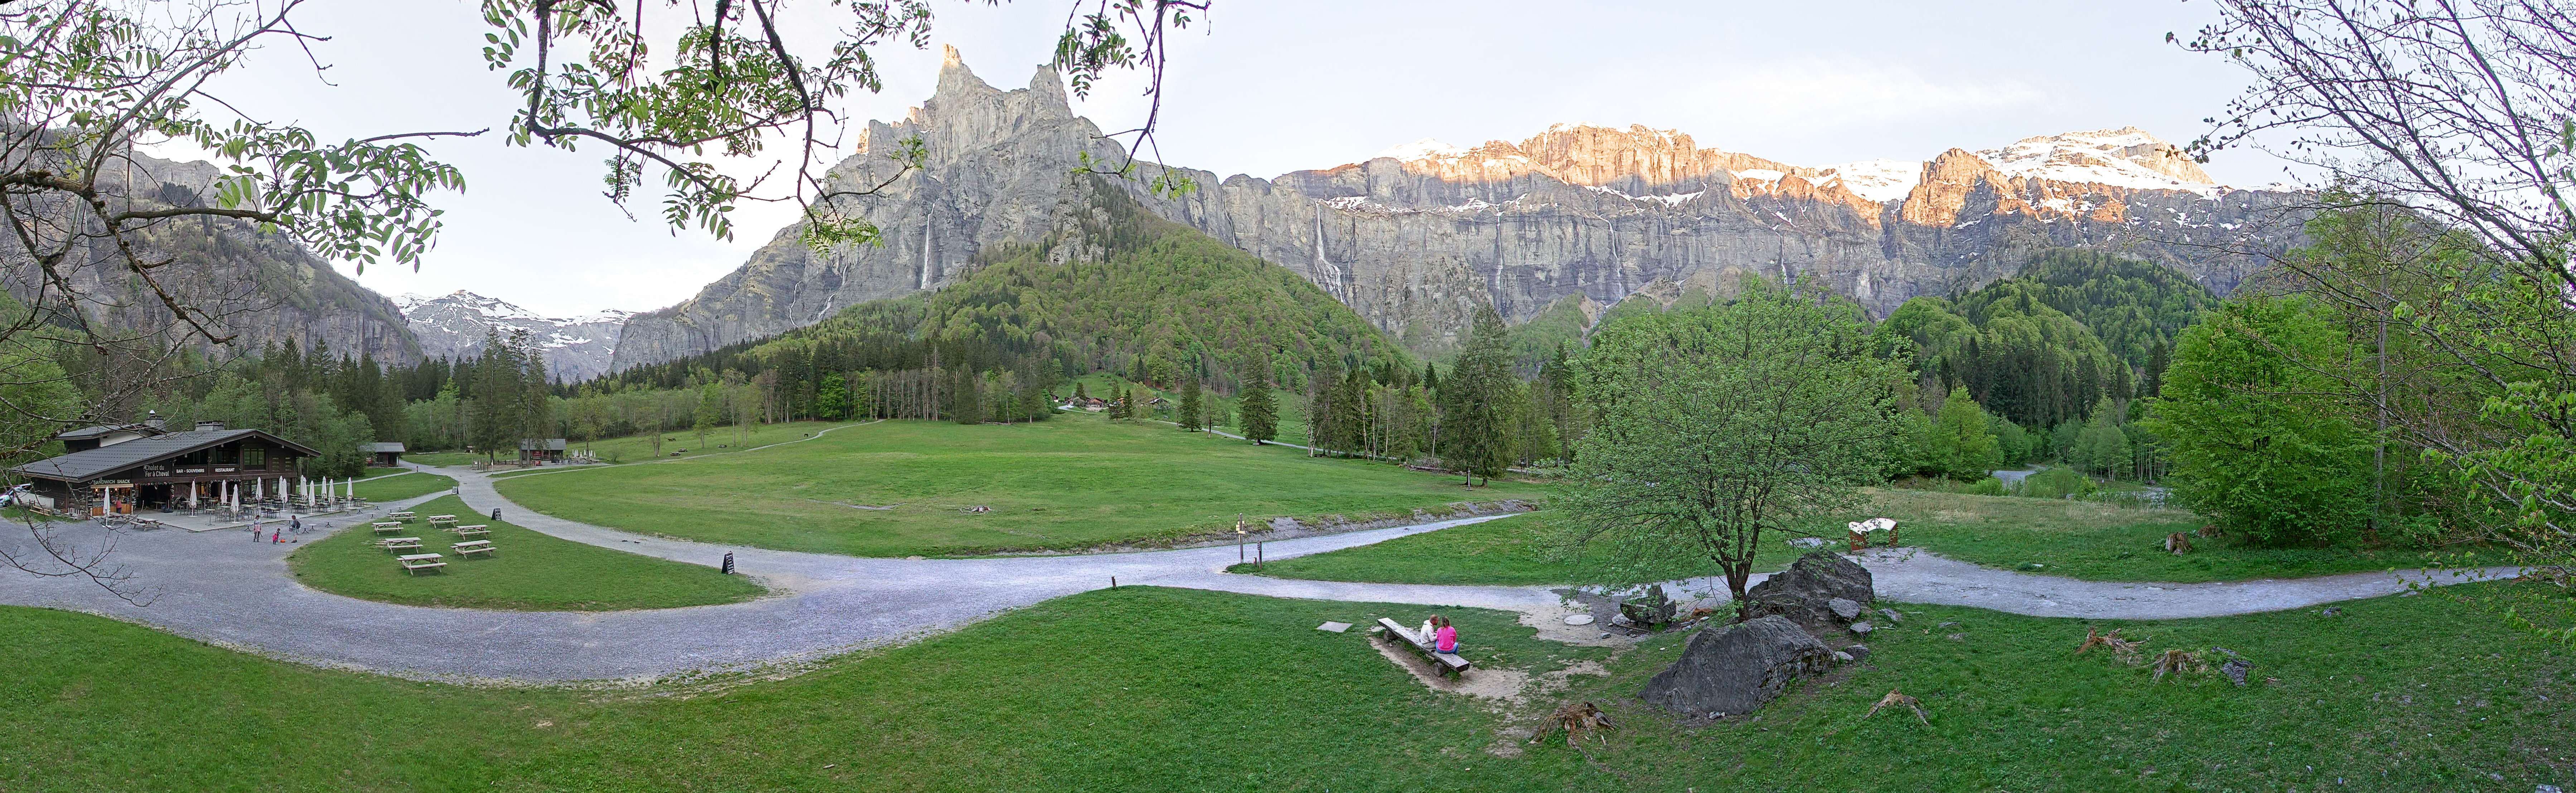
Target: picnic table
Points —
{"points": [[439, 520], [388, 526], [476, 530], [399, 543], [403, 515], [469, 548], [414, 563], [1447, 662]]}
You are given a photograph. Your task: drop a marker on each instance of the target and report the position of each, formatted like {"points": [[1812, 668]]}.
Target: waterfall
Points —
{"points": [[1328, 274], [925, 255]]}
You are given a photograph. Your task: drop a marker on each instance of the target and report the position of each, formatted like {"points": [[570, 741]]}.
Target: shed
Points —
{"points": [[383, 454]]}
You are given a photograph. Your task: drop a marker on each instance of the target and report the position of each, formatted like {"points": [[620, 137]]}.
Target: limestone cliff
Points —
{"points": [[1414, 241]]}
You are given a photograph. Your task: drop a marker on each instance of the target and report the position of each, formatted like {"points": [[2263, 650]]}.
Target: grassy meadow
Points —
{"points": [[1073, 482], [531, 571], [1150, 689], [2103, 542], [441, 459]]}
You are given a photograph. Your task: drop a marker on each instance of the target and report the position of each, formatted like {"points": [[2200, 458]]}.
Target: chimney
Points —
{"points": [[154, 420], [204, 426]]}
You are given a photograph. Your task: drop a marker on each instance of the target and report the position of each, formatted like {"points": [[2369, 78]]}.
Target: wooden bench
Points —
{"points": [[1448, 663], [388, 526], [399, 543], [415, 563], [469, 548], [442, 520], [401, 516]]}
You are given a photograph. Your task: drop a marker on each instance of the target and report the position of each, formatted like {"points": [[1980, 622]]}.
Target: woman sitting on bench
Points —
{"points": [[1444, 639]]}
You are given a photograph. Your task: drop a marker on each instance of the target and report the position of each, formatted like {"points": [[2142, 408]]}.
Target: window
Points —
{"points": [[254, 457]]}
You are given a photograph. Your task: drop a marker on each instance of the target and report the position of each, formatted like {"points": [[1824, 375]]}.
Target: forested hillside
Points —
{"points": [[1114, 290]]}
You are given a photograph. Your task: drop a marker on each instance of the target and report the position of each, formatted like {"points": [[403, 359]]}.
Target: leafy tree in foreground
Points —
{"points": [[1968, 445], [2253, 443], [1713, 425]]}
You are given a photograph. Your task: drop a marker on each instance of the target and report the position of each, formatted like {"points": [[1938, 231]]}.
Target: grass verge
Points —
{"points": [[2103, 542], [531, 572], [905, 488], [397, 488], [1507, 552]]}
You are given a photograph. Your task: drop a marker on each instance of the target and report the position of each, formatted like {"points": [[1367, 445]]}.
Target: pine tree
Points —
{"points": [[1260, 411], [1192, 417], [1475, 404]]}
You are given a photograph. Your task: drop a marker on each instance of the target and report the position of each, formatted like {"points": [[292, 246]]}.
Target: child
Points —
{"points": [[1444, 638]]}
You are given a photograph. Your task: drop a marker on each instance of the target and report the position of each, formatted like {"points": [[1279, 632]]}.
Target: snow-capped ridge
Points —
{"points": [[454, 325]]}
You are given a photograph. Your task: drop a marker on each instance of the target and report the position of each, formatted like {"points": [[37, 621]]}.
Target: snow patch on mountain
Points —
{"points": [[2124, 157], [1877, 180], [454, 325], [1424, 149]]}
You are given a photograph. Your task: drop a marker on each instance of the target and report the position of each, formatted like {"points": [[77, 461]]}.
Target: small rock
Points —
{"points": [[1947, 625], [1956, 637], [2235, 669], [1604, 635], [1334, 627], [1891, 615], [2409, 593], [1858, 652], [1843, 608], [2547, 789], [2332, 611], [1841, 657], [1862, 628]]}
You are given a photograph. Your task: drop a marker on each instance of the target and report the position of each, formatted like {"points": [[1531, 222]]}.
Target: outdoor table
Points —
{"points": [[476, 530], [388, 526], [400, 543], [405, 515], [442, 520], [472, 547], [417, 562]]}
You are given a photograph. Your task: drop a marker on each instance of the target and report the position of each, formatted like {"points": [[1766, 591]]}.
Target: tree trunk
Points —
{"points": [[1736, 575]]}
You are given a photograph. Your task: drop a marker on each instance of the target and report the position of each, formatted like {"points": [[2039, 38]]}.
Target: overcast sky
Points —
{"points": [[1269, 87]]}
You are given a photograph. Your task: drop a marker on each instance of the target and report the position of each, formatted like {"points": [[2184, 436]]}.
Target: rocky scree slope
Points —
{"points": [[1416, 240]]}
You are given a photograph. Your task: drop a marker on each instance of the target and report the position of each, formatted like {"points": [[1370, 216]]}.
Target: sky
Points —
{"points": [[1266, 88]]}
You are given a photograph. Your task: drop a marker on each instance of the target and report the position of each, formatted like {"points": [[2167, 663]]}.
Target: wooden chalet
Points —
{"points": [[541, 450], [123, 467], [383, 454]]}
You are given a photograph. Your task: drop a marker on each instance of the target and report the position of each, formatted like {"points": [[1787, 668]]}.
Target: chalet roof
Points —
{"points": [[83, 466], [103, 430], [381, 447]]}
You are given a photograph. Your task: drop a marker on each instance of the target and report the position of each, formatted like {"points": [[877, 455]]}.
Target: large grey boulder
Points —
{"points": [[1736, 668], [1805, 592]]}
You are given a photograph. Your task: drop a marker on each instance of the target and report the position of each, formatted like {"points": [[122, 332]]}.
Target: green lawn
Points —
{"points": [[2101, 542], [1510, 551], [530, 572], [1150, 689], [396, 488], [1073, 482], [375, 472], [638, 448], [441, 459]]}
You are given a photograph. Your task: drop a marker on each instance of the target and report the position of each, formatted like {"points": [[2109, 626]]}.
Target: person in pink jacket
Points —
{"points": [[1444, 638]]}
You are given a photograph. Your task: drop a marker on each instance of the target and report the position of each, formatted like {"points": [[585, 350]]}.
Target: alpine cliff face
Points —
{"points": [[258, 288], [454, 325], [1418, 237]]}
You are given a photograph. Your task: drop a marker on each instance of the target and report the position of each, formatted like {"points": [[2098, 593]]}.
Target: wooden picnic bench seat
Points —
{"points": [[388, 526], [476, 530], [417, 562], [472, 547], [1450, 663]]}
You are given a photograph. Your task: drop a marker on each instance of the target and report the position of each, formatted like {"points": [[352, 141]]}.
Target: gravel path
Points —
{"points": [[222, 588]]}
